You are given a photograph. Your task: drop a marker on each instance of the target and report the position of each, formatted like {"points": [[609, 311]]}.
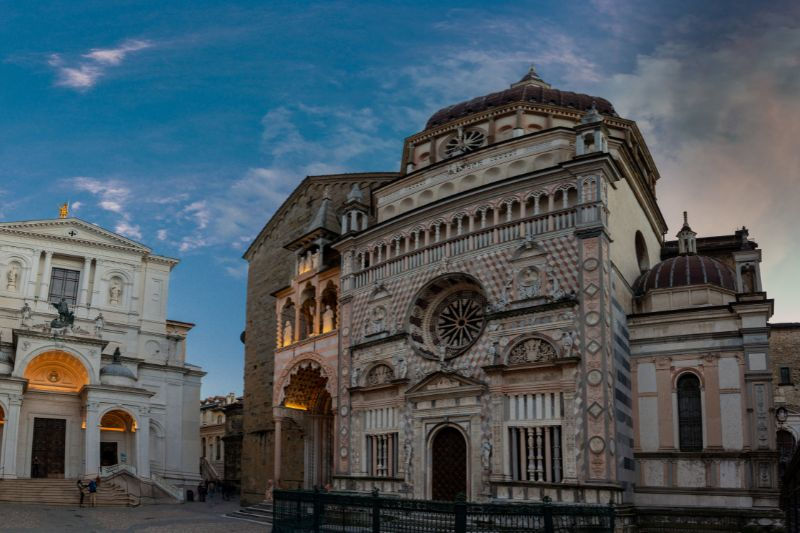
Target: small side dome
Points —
{"points": [[116, 373], [683, 271]]}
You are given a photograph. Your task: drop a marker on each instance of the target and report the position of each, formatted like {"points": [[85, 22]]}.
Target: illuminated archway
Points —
{"points": [[117, 438], [56, 371]]}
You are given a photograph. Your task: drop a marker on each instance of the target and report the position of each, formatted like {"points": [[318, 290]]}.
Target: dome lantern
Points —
{"points": [[687, 241]]}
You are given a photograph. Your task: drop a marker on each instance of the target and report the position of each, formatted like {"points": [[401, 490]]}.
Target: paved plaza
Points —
{"points": [[190, 517]]}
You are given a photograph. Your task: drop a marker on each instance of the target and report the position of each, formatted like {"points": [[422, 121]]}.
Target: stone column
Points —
{"points": [[91, 446], [143, 445], [10, 433], [277, 444], [87, 265], [30, 290], [45, 285]]}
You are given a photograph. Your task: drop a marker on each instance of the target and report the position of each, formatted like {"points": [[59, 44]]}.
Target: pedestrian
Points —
{"points": [[36, 467], [201, 492], [92, 493], [82, 490]]}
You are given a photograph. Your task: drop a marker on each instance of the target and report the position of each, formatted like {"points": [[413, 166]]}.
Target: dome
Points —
{"points": [[683, 271], [529, 89], [116, 373]]}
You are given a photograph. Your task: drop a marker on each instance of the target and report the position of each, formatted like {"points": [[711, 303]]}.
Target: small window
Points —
{"points": [[64, 284], [786, 376]]}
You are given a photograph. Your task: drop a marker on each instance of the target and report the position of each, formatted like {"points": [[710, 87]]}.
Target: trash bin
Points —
{"points": [[189, 496]]}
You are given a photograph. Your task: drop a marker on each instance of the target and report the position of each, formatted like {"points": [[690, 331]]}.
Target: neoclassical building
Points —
{"points": [[103, 381], [504, 318]]}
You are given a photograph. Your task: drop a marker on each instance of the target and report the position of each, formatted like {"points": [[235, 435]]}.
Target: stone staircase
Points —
{"points": [[60, 492], [260, 513]]}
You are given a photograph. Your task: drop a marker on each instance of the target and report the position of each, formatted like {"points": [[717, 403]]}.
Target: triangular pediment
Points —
{"points": [[441, 381], [71, 229], [529, 250]]}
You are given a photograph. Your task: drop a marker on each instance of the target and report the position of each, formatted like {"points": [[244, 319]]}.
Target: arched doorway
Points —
{"points": [[306, 440], [117, 438], [448, 464]]}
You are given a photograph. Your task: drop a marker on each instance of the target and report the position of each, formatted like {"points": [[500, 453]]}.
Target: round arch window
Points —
{"points": [[447, 317]]}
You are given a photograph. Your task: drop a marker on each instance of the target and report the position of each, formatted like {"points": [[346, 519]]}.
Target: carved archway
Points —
{"points": [[56, 371], [293, 367]]}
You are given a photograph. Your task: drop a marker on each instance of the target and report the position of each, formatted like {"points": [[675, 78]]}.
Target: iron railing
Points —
{"points": [[313, 512]]}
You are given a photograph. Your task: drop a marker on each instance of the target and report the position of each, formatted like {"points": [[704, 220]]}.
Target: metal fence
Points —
{"points": [[313, 512]]}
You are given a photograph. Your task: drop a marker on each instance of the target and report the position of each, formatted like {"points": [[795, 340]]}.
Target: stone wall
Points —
{"points": [[270, 269], [784, 350]]}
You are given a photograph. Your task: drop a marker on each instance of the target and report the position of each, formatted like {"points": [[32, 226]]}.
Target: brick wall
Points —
{"points": [[784, 350], [270, 268]]}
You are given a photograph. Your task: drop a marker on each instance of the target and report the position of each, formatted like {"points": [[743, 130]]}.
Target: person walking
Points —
{"points": [[82, 490], [201, 492], [92, 493]]}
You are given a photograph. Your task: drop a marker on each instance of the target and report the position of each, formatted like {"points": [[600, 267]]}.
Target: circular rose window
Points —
{"points": [[447, 317]]}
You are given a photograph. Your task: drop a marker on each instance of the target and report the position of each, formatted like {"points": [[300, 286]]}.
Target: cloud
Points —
{"points": [[722, 122], [161, 234], [74, 206], [127, 229], [83, 74], [113, 195]]}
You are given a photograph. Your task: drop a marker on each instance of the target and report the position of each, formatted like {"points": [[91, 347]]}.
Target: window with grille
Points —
{"points": [[536, 453], [382, 455], [786, 376], [64, 284], [690, 415]]}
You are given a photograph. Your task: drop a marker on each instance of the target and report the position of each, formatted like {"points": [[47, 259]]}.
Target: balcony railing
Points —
{"points": [[476, 240]]}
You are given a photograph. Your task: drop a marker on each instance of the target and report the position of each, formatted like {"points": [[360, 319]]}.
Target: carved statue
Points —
{"points": [[556, 292], [494, 353], [486, 454], [65, 316], [287, 333], [568, 342], [377, 321], [354, 377], [530, 283], [115, 293], [400, 367], [408, 450], [328, 319], [99, 325], [26, 315], [12, 276]]}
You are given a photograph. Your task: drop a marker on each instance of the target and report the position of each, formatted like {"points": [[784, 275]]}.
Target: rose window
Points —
{"points": [[464, 142], [447, 317]]}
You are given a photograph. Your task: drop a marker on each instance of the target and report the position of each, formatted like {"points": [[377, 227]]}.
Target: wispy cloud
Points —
{"points": [[112, 196], [82, 74]]}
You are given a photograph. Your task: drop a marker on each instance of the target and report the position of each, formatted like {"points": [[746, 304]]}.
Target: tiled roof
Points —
{"points": [[685, 270]]}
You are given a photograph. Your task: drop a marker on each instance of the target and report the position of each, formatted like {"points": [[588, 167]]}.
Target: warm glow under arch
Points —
{"points": [[56, 371]]}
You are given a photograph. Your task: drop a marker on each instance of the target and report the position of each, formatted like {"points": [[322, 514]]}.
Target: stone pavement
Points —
{"points": [[189, 517]]}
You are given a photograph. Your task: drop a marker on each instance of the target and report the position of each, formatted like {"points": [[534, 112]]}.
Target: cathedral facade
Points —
{"points": [[93, 375], [504, 319]]}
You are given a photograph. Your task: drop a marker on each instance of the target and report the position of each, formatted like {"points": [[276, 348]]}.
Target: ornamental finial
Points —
{"points": [[63, 210]]}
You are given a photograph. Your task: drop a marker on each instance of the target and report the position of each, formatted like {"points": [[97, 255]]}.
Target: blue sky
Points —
{"points": [[184, 125]]}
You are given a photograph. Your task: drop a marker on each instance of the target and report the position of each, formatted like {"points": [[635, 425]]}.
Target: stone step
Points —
{"points": [[260, 512], [59, 492]]}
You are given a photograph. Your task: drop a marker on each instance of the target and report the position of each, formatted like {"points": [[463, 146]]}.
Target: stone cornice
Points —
{"points": [[180, 369], [73, 339]]}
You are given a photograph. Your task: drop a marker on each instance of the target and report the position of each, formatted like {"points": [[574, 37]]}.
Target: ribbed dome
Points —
{"points": [[529, 89], [686, 270]]}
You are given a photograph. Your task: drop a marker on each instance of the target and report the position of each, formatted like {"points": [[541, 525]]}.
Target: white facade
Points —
{"points": [[138, 410]]}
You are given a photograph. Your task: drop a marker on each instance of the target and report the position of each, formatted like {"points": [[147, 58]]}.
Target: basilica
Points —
{"points": [[93, 375], [509, 319]]}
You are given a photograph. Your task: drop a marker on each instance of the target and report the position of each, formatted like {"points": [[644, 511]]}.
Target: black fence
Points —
{"points": [[313, 512]]}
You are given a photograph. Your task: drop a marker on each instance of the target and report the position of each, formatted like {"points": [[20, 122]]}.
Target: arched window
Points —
{"points": [[690, 414], [785, 442], [641, 252]]}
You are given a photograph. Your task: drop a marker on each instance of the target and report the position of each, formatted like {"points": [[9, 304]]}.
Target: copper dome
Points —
{"points": [[529, 89], [683, 271]]}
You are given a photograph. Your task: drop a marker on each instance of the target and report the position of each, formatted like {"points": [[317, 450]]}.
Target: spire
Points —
{"points": [[532, 78], [687, 244], [325, 218], [355, 194]]}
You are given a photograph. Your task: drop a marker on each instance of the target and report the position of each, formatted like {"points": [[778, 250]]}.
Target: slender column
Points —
{"points": [[353, 220], [45, 285], [87, 265], [557, 454], [92, 441], [143, 446], [10, 433], [30, 290], [344, 223], [363, 221], [277, 466], [539, 455], [531, 460]]}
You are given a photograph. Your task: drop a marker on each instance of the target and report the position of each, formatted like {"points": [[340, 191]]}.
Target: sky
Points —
{"points": [[184, 125]]}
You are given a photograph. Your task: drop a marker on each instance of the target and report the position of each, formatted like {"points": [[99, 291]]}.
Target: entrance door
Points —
{"points": [[108, 453], [449, 465], [47, 455]]}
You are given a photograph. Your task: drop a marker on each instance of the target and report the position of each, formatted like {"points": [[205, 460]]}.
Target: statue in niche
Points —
{"points": [[568, 342], [12, 277], [377, 323], [27, 313], [408, 450], [530, 284], [486, 454], [65, 317], [328, 320], [355, 376], [504, 299], [115, 292], [494, 353], [315, 257], [99, 325], [287, 333], [556, 292], [400, 366]]}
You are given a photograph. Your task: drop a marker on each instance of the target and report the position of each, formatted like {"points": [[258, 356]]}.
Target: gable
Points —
{"points": [[444, 381], [71, 229]]}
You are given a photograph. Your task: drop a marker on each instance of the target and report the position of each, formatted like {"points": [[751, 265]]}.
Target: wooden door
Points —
{"points": [[48, 451], [449, 465]]}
